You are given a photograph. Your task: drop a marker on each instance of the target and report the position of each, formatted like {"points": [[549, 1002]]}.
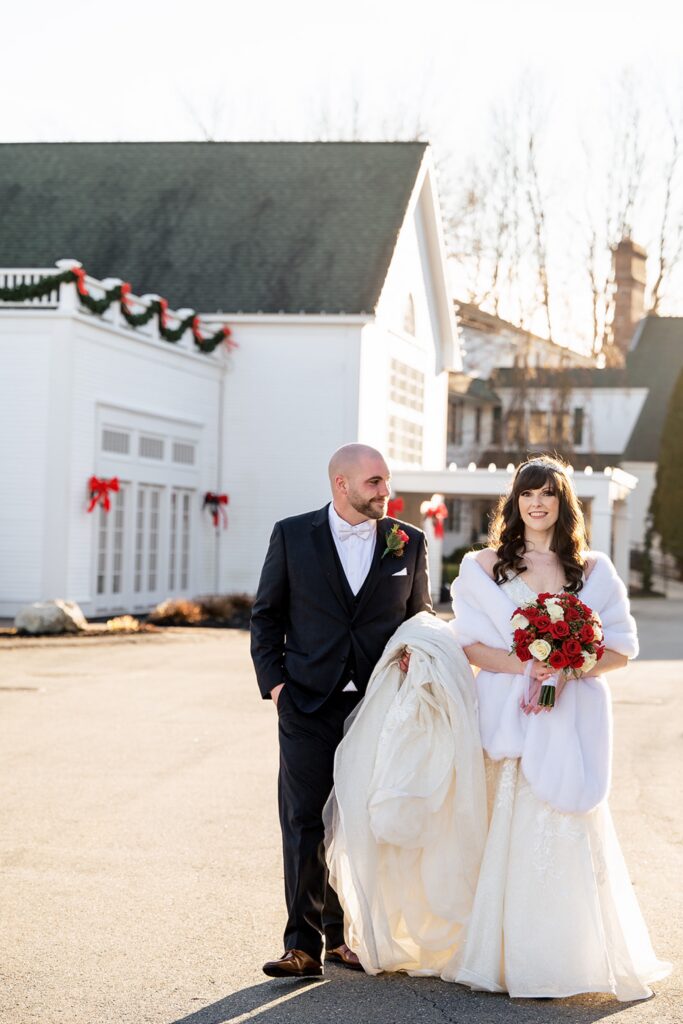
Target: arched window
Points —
{"points": [[409, 315]]}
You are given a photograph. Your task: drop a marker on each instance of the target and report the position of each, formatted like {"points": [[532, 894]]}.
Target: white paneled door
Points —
{"points": [[146, 544], [179, 540], [144, 547], [147, 582], [110, 584]]}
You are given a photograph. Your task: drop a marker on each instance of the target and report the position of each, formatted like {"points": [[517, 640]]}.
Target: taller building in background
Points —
{"points": [[488, 342]]}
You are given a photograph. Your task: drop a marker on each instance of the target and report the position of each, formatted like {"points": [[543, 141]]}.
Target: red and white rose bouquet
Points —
{"points": [[561, 631]]}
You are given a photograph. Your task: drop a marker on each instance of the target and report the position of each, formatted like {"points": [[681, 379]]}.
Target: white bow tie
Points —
{"points": [[363, 530]]}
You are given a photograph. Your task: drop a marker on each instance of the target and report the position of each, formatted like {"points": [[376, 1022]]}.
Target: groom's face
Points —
{"points": [[368, 487]]}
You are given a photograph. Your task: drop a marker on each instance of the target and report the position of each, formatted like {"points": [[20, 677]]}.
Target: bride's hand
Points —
{"points": [[539, 674], [537, 680], [532, 707], [404, 662]]}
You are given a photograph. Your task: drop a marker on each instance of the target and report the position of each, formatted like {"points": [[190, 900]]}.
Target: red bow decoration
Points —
{"points": [[216, 503], [79, 274], [437, 512], [163, 312], [126, 289], [395, 506], [100, 490], [228, 340]]}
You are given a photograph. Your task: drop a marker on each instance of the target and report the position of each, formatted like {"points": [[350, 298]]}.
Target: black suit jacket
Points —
{"points": [[305, 625]]}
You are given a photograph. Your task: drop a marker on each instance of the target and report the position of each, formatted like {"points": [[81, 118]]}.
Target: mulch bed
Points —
{"points": [[95, 629]]}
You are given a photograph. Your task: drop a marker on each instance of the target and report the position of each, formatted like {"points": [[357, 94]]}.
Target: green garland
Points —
{"points": [[119, 293]]}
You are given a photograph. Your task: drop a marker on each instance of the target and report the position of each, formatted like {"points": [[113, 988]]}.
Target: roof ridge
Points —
{"points": [[222, 142]]}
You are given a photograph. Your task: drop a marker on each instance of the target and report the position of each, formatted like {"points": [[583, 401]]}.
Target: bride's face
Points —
{"points": [[539, 507]]}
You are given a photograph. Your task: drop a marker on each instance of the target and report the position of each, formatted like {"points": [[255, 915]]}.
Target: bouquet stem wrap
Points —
{"points": [[546, 698]]}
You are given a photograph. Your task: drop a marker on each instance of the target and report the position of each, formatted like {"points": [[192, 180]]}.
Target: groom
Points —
{"points": [[335, 585]]}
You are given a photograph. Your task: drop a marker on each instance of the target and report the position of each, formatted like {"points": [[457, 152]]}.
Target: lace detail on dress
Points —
{"points": [[520, 592], [550, 828], [599, 859], [507, 783]]}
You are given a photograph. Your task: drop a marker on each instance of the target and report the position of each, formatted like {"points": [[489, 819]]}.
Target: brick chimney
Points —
{"points": [[629, 261]]}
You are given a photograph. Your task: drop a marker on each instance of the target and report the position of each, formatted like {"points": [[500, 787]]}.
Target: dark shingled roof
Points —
{"points": [[476, 388], [550, 377], [654, 361], [219, 226]]}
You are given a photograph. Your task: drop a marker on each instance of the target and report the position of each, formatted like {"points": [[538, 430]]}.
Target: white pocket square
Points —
{"points": [[402, 572]]}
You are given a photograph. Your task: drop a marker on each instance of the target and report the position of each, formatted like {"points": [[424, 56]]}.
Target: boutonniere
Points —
{"points": [[396, 541]]}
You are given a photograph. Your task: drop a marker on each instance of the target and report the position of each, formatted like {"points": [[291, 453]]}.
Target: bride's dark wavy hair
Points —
{"points": [[569, 537]]}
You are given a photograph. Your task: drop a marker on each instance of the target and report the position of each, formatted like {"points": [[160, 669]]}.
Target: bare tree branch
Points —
{"points": [[669, 249]]}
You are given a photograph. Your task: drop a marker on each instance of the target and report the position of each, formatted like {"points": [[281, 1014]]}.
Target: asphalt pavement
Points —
{"points": [[141, 880]]}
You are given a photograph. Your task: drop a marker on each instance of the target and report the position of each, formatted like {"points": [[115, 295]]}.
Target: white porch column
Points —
{"points": [[601, 522], [434, 556], [621, 538], [68, 297]]}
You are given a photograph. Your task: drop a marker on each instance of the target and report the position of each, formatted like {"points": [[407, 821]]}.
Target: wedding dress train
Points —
{"points": [[406, 822]]}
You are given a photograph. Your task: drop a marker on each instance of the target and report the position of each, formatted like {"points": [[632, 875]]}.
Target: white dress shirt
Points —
{"points": [[355, 546]]}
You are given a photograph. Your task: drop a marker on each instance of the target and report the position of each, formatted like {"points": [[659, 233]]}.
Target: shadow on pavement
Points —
{"points": [[392, 999]]}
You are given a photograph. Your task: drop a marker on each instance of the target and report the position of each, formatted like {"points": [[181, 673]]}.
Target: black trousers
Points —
{"points": [[307, 746]]}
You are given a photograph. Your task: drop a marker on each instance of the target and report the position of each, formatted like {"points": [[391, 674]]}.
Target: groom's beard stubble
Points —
{"points": [[375, 508]]}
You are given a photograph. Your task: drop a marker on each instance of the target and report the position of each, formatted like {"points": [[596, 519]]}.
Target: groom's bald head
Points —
{"points": [[360, 482], [349, 457]]}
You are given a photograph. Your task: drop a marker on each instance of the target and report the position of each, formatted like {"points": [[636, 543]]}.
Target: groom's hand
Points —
{"points": [[405, 660], [275, 693]]}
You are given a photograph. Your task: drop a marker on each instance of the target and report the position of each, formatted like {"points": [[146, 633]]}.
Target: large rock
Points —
{"points": [[50, 617]]}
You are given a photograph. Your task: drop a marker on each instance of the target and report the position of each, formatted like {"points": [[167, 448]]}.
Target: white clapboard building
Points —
{"points": [[327, 263]]}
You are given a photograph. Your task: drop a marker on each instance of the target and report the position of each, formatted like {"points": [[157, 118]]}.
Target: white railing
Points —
{"points": [[66, 300], [12, 277]]}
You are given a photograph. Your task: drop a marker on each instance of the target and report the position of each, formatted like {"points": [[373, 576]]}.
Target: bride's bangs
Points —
{"points": [[534, 475]]}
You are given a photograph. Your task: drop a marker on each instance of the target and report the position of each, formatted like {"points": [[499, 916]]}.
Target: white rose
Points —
{"points": [[589, 660], [555, 611], [599, 635], [540, 649], [519, 621]]}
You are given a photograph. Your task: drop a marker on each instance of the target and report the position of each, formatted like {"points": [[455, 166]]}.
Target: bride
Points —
{"points": [[498, 869]]}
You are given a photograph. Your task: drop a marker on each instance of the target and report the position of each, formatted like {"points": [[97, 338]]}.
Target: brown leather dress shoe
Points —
{"points": [[294, 964], [343, 955]]}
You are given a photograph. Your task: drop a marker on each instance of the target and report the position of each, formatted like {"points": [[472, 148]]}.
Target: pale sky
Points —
{"points": [[90, 71], [264, 70]]}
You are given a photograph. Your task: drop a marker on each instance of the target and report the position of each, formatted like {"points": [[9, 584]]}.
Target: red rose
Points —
{"points": [[544, 597], [523, 636], [587, 633], [599, 651], [523, 654], [558, 660], [572, 599], [559, 629], [542, 622], [572, 614], [576, 662], [403, 536], [572, 648]]}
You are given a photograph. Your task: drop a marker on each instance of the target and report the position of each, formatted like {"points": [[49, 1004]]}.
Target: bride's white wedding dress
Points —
{"points": [[540, 904], [554, 912]]}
